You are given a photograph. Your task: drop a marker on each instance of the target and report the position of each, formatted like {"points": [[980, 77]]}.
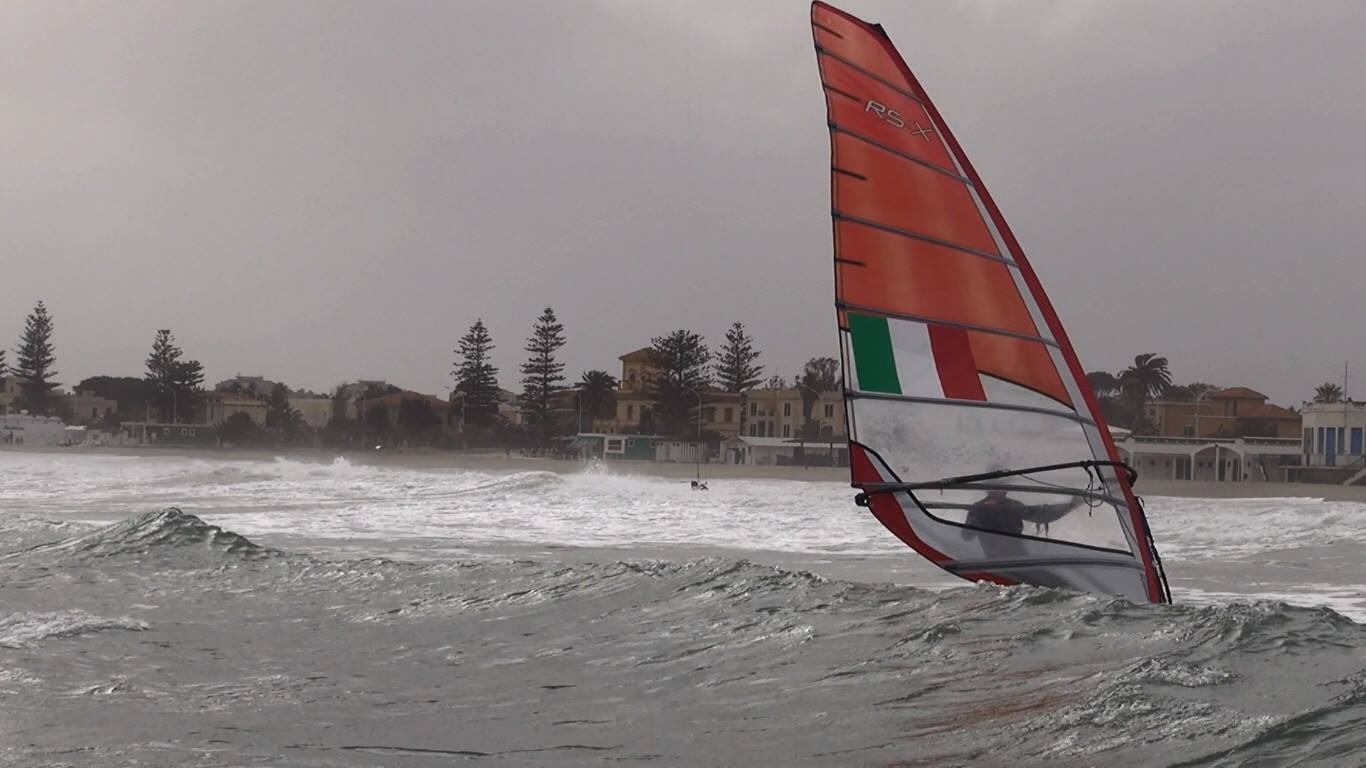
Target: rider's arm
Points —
{"points": [[1047, 513]]}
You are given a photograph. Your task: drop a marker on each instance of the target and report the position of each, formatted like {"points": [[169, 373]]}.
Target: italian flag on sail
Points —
{"points": [[903, 357]]}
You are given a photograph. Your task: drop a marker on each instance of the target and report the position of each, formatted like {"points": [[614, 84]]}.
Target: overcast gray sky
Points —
{"points": [[323, 191]]}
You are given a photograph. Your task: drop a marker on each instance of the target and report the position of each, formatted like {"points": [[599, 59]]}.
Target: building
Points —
{"points": [[23, 429], [1218, 459], [1333, 434], [635, 406], [315, 411], [597, 445], [778, 451], [9, 393], [90, 409], [1225, 413], [448, 418], [220, 406], [778, 413], [260, 386], [156, 433]]}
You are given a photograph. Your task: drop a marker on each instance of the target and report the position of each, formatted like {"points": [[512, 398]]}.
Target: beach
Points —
{"points": [[496, 461]]}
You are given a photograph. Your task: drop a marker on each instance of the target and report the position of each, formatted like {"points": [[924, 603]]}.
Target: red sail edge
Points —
{"points": [[888, 78]]}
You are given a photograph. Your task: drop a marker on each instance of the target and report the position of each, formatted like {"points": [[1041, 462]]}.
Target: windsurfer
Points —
{"points": [[998, 512]]}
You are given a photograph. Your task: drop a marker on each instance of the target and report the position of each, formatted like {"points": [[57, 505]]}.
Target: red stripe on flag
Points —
{"points": [[953, 359]]}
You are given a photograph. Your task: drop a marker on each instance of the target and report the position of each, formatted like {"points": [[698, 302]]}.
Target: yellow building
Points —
{"points": [[778, 413], [721, 410], [1232, 412]]}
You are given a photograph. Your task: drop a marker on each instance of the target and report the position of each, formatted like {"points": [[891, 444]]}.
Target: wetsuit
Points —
{"points": [[1004, 514]]}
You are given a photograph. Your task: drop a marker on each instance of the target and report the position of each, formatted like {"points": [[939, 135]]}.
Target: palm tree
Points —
{"points": [[1149, 376], [1328, 392], [596, 391]]}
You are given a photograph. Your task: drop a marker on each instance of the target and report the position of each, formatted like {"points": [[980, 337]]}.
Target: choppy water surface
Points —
{"points": [[306, 614]]}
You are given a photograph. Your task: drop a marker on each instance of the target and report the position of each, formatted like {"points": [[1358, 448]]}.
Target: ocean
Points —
{"points": [[169, 611]]}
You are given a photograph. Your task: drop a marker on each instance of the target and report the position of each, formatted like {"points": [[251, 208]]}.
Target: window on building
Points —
{"points": [[770, 429], [753, 409], [787, 430], [787, 409], [1356, 441], [1308, 440], [730, 414], [614, 445], [753, 430], [1188, 431], [630, 412], [95, 412], [829, 410], [1318, 441]]}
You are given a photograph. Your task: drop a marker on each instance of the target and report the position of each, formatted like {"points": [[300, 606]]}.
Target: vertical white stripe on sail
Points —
{"points": [[914, 359]]}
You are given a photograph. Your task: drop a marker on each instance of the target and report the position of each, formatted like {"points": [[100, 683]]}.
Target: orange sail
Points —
{"points": [[974, 434]]}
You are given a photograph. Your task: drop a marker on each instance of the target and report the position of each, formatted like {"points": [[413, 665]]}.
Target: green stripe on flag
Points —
{"points": [[872, 341]]}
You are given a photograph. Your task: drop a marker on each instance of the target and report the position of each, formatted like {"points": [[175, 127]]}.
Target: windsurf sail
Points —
{"points": [[974, 436]]}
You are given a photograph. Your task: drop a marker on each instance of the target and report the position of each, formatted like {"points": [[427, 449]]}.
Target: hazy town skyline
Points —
{"points": [[317, 192]]}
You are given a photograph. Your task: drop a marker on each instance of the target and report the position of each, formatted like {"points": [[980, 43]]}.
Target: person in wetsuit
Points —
{"points": [[998, 512]]}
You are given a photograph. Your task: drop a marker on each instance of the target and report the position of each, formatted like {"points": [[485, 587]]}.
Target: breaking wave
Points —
{"points": [[167, 529]]}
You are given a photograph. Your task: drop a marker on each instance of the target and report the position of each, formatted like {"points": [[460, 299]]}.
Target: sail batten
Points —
{"points": [[954, 362]]}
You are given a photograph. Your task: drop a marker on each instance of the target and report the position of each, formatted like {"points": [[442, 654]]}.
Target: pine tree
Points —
{"points": [[476, 379], [33, 363], [542, 374], [736, 370], [597, 390], [177, 381], [680, 361]]}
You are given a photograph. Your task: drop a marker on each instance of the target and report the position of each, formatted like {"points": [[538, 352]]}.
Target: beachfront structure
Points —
{"points": [[1217, 459], [1225, 413], [600, 445], [778, 451], [23, 429], [158, 433], [1334, 434], [392, 404]]}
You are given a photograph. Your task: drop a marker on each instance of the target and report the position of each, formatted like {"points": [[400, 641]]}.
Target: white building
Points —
{"points": [[777, 451], [1333, 434], [23, 429], [1256, 459]]}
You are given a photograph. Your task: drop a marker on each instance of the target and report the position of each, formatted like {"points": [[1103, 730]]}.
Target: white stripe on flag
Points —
{"points": [[914, 359]]}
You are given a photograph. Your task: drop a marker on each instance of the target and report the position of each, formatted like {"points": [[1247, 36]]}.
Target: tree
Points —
{"points": [[820, 374], [596, 391], [1328, 392], [542, 374], [475, 376], [3, 367], [736, 369], [417, 422], [775, 382], [1103, 383], [282, 418], [1149, 376], [130, 392], [680, 362], [33, 363], [176, 381]]}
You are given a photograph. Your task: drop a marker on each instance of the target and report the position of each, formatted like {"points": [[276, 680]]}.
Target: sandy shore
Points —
{"points": [[483, 461]]}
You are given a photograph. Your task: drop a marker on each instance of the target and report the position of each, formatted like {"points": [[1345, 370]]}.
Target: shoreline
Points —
{"points": [[428, 459]]}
